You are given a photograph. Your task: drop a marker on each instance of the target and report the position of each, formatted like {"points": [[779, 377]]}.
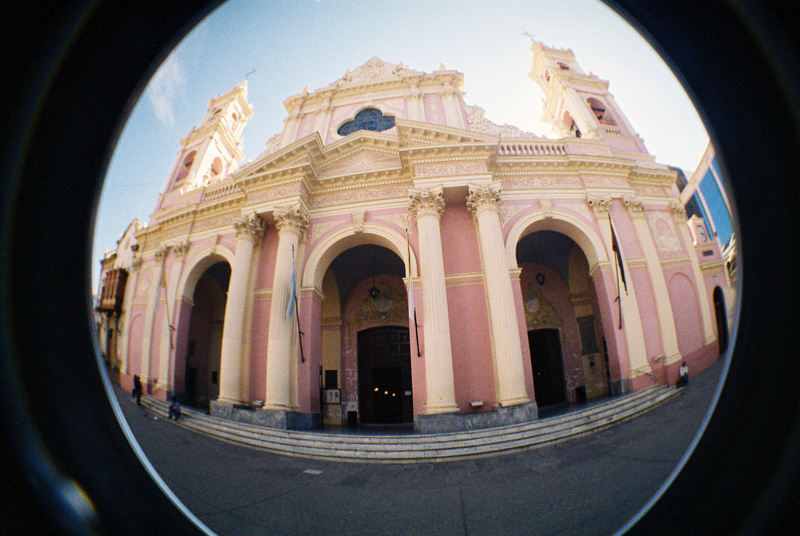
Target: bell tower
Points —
{"points": [[579, 105], [212, 150]]}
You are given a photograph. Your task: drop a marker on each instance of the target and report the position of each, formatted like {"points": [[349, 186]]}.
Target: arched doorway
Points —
{"points": [[365, 338], [563, 320], [204, 345], [384, 376], [722, 319]]}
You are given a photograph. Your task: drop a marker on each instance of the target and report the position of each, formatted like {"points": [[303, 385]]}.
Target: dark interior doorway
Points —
{"points": [[547, 367], [384, 376], [722, 319]]}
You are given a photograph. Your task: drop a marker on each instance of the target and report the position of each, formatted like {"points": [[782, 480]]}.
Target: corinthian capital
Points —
{"points": [[678, 210], [482, 198], [162, 252], [249, 228], [634, 204], [599, 204], [426, 201], [292, 218]]}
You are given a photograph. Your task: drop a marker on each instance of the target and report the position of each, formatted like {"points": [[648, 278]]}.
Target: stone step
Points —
{"points": [[423, 447]]}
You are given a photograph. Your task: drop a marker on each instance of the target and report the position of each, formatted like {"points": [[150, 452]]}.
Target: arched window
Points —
{"points": [[183, 171], [367, 119], [216, 166], [599, 111], [570, 123]]}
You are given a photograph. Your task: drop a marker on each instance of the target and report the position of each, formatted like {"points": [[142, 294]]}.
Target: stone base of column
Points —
{"points": [[268, 418], [457, 422], [619, 387]]}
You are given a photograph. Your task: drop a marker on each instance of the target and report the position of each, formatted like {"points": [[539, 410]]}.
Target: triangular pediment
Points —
{"points": [[418, 134], [358, 158]]}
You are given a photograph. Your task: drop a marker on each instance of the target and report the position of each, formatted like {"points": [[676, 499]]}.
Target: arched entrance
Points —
{"points": [[563, 320], [365, 339], [722, 319], [384, 376], [204, 344]]}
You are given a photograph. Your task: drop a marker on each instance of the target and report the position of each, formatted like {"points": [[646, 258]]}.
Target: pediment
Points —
{"points": [[417, 134], [359, 160]]}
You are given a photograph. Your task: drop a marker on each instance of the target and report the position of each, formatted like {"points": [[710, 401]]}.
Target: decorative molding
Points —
{"points": [[539, 312], [426, 201], [447, 170], [401, 220], [357, 195], [543, 183], [663, 232], [599, 204], [358, 220], [161, 252], [181, 248], [581, 209], [319, 229], [249, 228], [477, 122], [634, 204], [605, 182], [547, 207], [511, 211], [483, 198], [374, 70], [292, 218], [678, 210]]}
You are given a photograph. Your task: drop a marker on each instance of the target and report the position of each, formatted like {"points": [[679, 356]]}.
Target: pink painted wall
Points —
{"points": [[259, 336], [639, 276], [473, 368], [605, 284], [308, 380], [686, 311], [135, 339]]}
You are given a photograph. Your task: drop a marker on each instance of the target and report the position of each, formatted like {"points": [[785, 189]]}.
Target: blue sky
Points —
{"points": [[295, 43]]}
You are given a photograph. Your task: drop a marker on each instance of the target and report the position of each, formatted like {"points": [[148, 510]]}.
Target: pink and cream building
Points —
{"points": [[449, 271]]}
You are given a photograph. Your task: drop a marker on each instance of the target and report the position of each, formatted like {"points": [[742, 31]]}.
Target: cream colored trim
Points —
{"points": [[568, 223], [328, 249]]}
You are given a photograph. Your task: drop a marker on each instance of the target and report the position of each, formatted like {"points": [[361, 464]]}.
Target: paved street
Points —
{"points": [[588, 486]]}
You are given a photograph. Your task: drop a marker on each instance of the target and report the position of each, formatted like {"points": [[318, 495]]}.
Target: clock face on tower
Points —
{"points": [[701, 232]]}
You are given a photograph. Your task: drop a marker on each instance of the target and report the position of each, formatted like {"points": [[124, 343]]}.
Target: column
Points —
{"points": [[484, 203], [149, 319], [291, 223], [699, 281], [666, 320], [428, 206], [248, 234], [167, 346]]}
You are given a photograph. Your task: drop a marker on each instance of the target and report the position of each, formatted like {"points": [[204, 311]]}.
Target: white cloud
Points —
{"points": [[168, 82]]}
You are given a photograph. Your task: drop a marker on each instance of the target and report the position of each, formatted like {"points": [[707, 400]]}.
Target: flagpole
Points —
{"points": [[411, 306], [293, 298]]}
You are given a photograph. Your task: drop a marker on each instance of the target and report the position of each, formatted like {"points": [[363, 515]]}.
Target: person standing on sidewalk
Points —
{"points": [[137, 390]]}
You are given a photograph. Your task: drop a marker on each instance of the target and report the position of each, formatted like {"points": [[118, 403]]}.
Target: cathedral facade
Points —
{"points": [[395, 257]]}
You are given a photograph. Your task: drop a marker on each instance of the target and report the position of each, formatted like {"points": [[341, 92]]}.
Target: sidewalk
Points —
{"points": [[591, 485]]}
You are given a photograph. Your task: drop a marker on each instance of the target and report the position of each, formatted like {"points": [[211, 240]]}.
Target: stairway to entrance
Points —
{"points": [[423, 448]]}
